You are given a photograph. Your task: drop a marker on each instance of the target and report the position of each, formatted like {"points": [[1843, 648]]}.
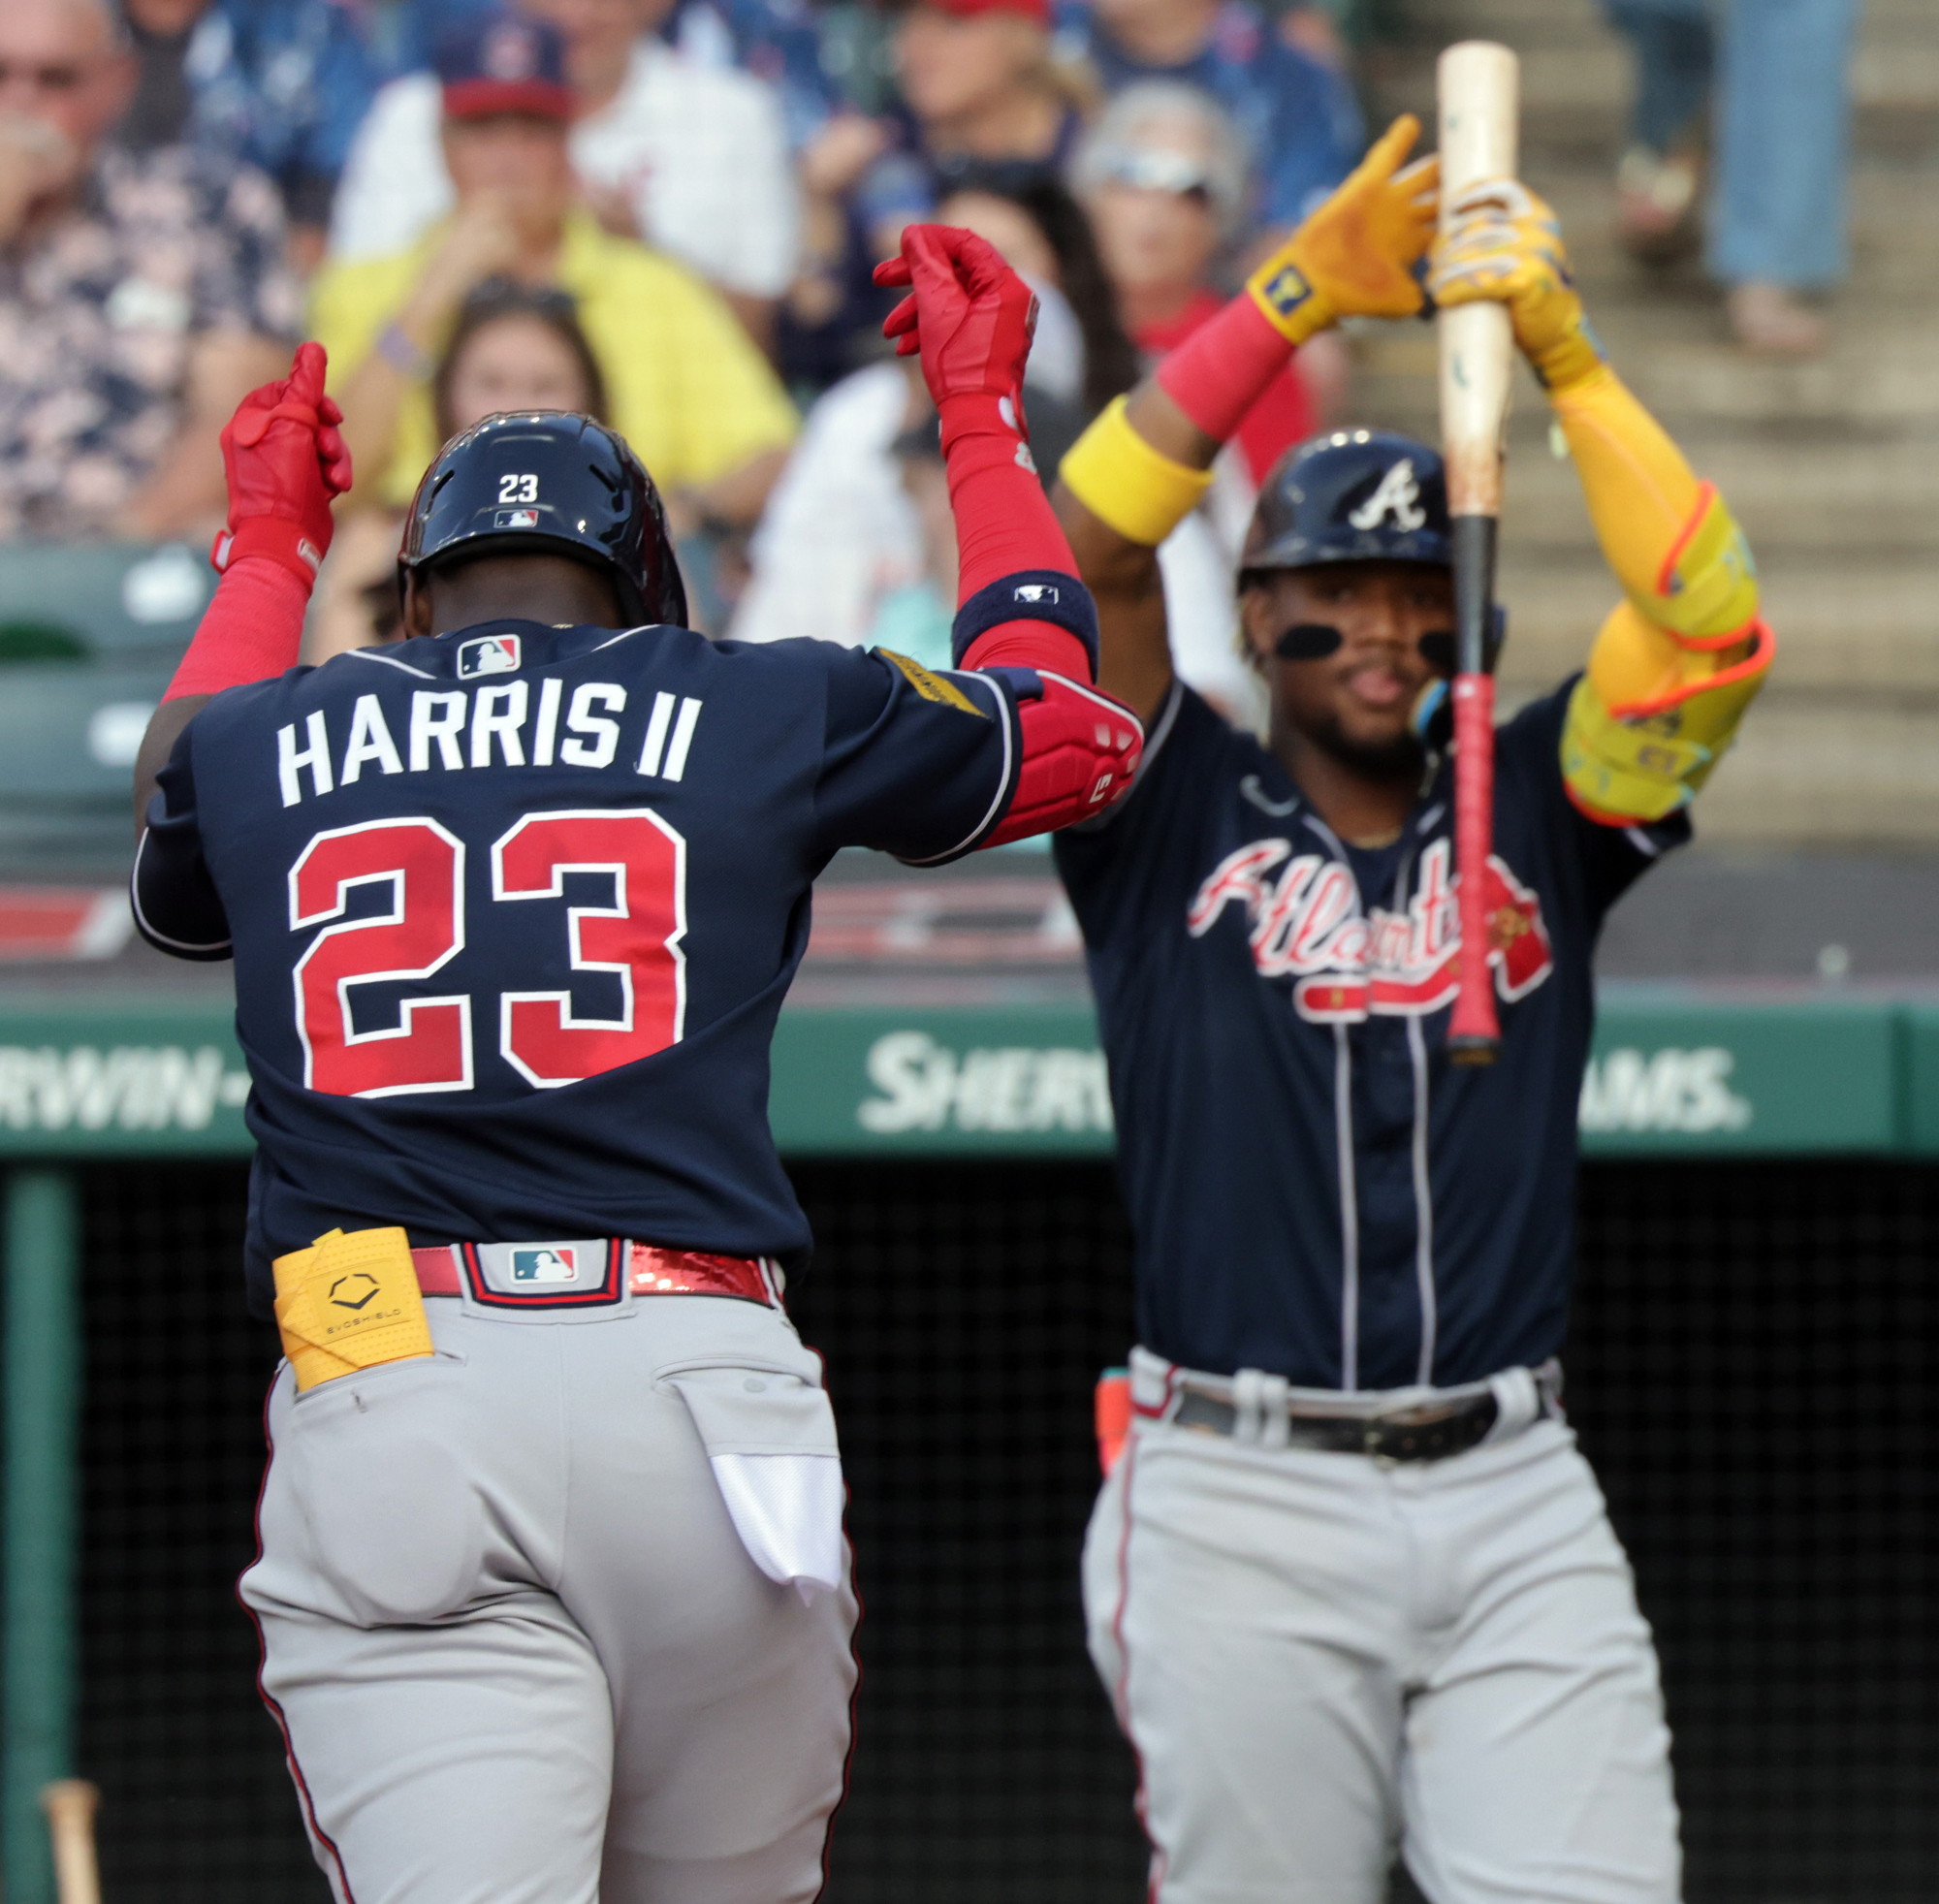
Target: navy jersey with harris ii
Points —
{"points": [[1315, 1190], [513, 904], [459, 873]]}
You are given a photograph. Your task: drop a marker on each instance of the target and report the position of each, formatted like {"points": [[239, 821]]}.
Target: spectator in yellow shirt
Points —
{"points": [[685, 385]]}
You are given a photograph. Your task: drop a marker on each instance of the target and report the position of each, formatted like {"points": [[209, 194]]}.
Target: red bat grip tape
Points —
{"points": [[1474, 1024]]}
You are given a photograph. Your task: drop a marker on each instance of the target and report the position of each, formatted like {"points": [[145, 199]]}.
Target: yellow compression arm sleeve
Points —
{"points": [[1127, 483], [1678, 661], [1671, 541]]}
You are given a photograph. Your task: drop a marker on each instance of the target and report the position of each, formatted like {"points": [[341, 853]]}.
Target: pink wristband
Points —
{"points": [[1219, 373]]}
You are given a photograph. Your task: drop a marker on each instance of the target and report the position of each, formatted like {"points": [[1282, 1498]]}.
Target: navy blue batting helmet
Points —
{"points": [[1353, 495], [556, 482]]}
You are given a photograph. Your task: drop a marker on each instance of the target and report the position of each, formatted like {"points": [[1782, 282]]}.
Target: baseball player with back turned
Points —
{"points": [[553, 1598], [1351, 1582]]}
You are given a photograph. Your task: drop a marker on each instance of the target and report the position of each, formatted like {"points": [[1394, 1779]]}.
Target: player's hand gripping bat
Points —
{"points": [[70, 1805], [1477, 84]]}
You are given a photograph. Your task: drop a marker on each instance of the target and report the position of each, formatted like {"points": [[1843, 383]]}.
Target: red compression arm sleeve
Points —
{"points": [[251, 630], [1219, 373], [1004, 524]]}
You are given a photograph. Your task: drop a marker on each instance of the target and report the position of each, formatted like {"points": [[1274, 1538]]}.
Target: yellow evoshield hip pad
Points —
{"points": [[350, 1302]]}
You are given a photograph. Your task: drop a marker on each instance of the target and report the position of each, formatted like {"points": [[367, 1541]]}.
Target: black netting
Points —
{"points": [[1747, 1369]]}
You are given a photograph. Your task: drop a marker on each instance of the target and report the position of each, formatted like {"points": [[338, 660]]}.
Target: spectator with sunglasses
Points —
{"points": [[686, 387], [1163, 176], [1296, 112], [141, 294]]}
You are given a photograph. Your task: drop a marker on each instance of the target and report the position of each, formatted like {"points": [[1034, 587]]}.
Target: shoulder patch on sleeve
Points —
{"points": [[931, 687]]}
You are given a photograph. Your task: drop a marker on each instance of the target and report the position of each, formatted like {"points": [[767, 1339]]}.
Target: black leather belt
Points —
{"points": [[1431, 1431]]}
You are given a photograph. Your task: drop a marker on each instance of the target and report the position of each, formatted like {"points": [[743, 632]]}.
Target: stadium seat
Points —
{"points": [[90, 637]]}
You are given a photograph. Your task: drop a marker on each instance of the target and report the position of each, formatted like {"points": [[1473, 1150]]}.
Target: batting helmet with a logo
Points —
{"points": [[1353, 495], [549, 482]]}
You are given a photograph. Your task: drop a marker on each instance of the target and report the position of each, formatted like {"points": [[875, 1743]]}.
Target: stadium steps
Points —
{"points": [[1832, 465]]}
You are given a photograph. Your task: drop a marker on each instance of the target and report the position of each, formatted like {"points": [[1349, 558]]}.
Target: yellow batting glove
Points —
{"points": [[1354, 255], [1503, 245]]}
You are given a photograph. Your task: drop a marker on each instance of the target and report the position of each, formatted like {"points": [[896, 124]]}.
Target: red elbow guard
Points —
{"points": [[1080, 752]]}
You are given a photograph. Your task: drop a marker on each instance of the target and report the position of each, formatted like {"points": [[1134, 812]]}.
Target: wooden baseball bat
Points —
{"points": [[70, 1805], [1477, 86]]}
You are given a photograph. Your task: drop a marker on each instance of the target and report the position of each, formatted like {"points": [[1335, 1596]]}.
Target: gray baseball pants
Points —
{"points": [[1318, 1655], [518, 1649]]}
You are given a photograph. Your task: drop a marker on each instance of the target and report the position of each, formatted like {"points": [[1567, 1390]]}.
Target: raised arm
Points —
{"points": [[1682, 655], [284, 463], [1142, 466], [1021, 613]]}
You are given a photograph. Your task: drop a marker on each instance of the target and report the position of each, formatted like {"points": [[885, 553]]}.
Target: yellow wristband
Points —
{"points": [[1127, 483]]}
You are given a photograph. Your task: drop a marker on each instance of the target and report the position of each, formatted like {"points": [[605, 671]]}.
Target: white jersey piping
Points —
{"points": [[1423, 1206], [389, 661], [149, 929], [1011, 725], [1350, 1212]]}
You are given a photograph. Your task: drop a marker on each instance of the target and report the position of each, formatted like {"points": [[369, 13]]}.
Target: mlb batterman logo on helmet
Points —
{"points": [[556, 481]]}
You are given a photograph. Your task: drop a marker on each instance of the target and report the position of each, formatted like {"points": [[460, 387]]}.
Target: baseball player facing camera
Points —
{"points": [[1350, 1582], [553, 1596]]}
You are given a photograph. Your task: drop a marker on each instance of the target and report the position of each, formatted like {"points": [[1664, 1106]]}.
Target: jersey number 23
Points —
{"points": [[423, 928]]}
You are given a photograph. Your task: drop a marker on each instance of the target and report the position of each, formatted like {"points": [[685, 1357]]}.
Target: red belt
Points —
{"points": [[651, 1273]]}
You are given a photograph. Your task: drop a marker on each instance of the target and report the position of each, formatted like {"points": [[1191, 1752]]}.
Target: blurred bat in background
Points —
{"points": [[69, 1805]]}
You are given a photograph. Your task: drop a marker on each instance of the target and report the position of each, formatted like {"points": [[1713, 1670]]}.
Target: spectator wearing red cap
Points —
{"points": [[689, 156], [686, 385]]}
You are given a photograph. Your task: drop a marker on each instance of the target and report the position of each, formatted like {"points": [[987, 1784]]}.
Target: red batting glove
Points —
{"points": [[284, 459], [971, 318]]}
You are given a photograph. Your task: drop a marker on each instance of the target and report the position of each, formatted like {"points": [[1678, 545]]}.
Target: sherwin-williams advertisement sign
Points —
{"points": [[1673, 1074], [1670, 1076]]}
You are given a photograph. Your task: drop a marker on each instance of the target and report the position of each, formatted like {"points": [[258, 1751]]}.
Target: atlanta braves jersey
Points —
{"points": [[1315, 1192], [514, 909]]}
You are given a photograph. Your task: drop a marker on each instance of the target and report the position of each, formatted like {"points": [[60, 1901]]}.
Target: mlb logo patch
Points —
{"points": [[516, 519], [546, 1262], [489, 654], [1034, 591]]}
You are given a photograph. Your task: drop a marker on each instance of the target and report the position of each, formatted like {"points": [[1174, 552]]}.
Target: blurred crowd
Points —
{"points": [[666, 212]]}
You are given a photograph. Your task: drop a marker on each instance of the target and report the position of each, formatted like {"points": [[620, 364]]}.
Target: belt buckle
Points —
{"points": [[1420, 1418]]}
